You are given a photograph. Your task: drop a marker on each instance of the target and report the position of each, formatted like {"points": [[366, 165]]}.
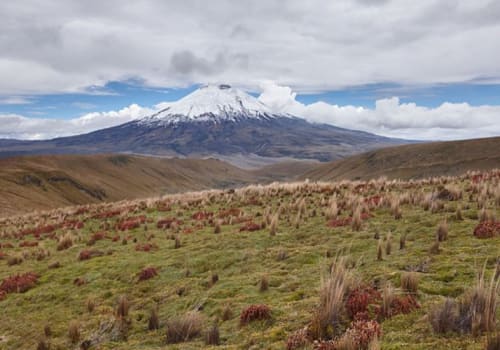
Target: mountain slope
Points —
{"points": [[414, 161], [45, 182], [214, 120]]}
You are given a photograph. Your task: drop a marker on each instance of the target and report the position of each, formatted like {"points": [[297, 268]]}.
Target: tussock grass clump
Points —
{"points": [[493, 342], [14, 260], [264, 284], [217, 227], [183, 328], [90, 303], [356, 222], [122, 307], [443, 318], [442, 231], [47, 330], [65, 242], [74, 331], [409, 282], [434, 249], [380, 250], [212, 336], [333, 289], [388, 245], [402, 241], [43, 345], [227, 313], [153, 321], [273, 227], [177, 243]]}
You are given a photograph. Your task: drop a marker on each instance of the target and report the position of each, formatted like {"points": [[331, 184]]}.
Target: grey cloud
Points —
{"points": [[310, 45]]}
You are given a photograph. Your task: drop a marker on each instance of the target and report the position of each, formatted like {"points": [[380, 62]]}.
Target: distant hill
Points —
{"points": [[44, 182], [414, 161]]}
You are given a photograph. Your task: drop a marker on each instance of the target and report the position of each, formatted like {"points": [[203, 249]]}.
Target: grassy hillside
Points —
{"points": [[44, 182], [271, 267], [414, 161]]}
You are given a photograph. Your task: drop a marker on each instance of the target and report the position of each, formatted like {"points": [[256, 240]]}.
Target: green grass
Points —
{"points": [[241, 259]]}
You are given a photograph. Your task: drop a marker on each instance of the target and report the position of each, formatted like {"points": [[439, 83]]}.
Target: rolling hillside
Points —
{"points": [[45, 182], [414, 161]]}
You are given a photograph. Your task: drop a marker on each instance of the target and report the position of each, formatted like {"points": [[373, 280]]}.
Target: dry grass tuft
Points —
{"points": [[153, 321], [74, 331], [442, 231], [123, 307], [264, 284], [183, 328], [409, 282], [212, 336]]}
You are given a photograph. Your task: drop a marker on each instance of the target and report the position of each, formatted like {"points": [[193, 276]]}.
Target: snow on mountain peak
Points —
{"points": [[212, 103]]}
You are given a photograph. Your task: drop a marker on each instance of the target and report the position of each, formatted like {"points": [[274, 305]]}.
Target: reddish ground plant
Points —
{"points": [[401, 304], [147, 273], [106, 214], [79, 281], [6, 245], [115, 238], [28, 244], [297, 340], [145, 247], [487, 229], [254, 313], [359, 301], [97, 236], [131, 223], [19, 283], [87, 254], [250, 226], [363, 332]]}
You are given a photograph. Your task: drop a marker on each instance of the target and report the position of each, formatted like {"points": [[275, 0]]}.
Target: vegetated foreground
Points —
{"points": [[345, 265]]}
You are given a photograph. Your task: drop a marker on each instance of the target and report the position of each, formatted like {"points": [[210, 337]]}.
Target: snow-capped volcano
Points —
{"points": [[212, 103], [214, 121]]}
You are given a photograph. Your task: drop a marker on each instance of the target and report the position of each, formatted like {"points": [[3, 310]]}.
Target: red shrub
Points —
{"points": [[131, 223], [28, 244], [297, 340], [359, 300], [107, 214], [145, 247], [115, 238], [97, 236], [255, 312], [19, 283], [250, 226], [363, 332], [487, 229], [373, 200], [147, 273], [6, 245], [86, 254], [401, 304], [79, 281]]}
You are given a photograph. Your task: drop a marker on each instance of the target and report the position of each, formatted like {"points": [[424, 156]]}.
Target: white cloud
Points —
{"points": [[392, 118], [19, 127], [68, 46]]}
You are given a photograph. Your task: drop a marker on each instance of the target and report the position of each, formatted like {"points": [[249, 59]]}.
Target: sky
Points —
{"points": [[424, 69]]}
